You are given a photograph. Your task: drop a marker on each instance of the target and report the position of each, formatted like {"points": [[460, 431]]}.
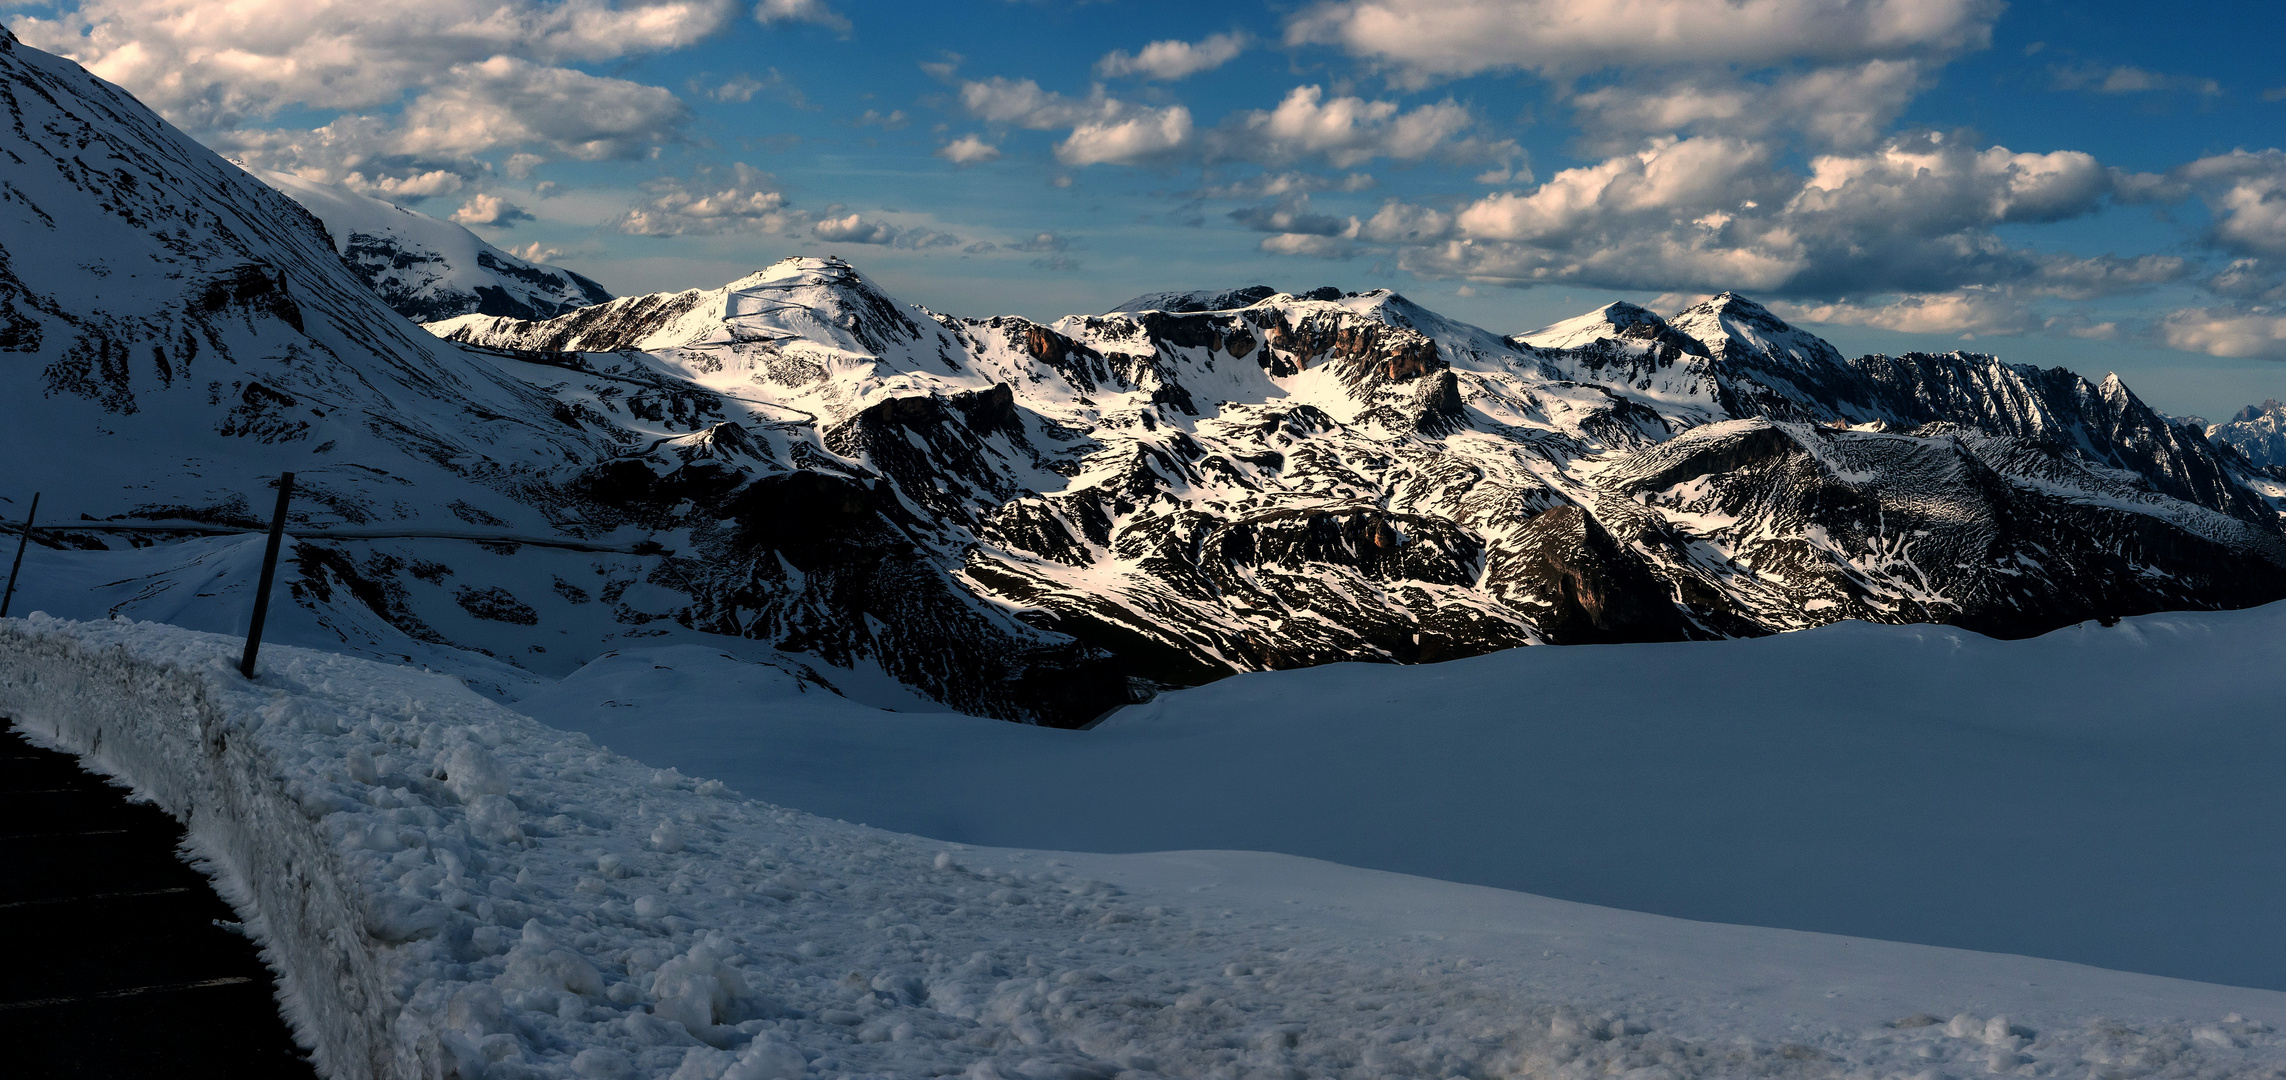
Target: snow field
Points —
{"points": [[451, 889]]}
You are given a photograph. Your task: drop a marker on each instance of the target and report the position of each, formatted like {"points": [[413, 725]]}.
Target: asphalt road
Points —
{"points": [[123, 961]]}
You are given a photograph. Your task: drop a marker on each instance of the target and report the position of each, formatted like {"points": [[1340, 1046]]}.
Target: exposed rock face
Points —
{"points": [[2257, 433], [1206, 485], [428, 269], [179, 332], [1037, 521]]}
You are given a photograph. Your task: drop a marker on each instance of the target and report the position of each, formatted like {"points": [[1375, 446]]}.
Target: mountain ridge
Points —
{"points": [[1034, 521], [429, 269]]}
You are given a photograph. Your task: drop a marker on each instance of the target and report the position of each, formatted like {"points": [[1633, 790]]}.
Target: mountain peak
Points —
{"points": [[1736, 328]]}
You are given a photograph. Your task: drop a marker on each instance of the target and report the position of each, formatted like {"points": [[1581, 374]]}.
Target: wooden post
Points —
{"points": [[21, 542], [269, 570]]}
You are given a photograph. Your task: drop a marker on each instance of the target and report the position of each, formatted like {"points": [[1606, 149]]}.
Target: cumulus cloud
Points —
{"points": [[1308, 245], [814, 12], [483, 209], [1046, 241], [361, 153], [1845, 107], [2247, 193], [855, 229], [211, 66], [1568, 37], [2247, 332], [1915, 216], [505, 101], [740, 198], [968, 150], [1344, 131], [1347, 131], [1104, 130], [1135, 135], [1964, 312], [537, 252], [1171, 60]]}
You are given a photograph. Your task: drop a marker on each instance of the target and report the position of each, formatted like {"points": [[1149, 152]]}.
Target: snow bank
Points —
{"points": [[2105, 795], [451, 889]]}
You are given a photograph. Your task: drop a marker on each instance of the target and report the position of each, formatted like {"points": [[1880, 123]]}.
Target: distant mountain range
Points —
{"points": [[1025, 520], [2257, 432]]}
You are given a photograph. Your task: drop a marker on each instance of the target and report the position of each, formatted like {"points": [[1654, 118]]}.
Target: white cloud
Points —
{"points": [[1398, 223], [1348, 131], [1344, 131], [1134, 136], [740, 198], [1846, 106], [1935, 183], [509, 102], [1171, 60], [814, 12], [207, 65], [2247, 193], [1309, 245], [537, 252], [1913, 216], [2249, 332], [484, 209], [1964, 312], [968, 150], [1566, 37], [360, 153], [855, 229]]}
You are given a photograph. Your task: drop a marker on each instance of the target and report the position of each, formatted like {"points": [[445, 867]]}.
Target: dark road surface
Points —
{"points": [[116, 965]]}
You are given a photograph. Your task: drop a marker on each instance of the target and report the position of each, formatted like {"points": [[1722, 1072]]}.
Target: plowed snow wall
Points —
{"points": [[163, 729]]}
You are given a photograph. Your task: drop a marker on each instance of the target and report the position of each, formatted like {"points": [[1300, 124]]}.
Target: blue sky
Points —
{"points": [[2093, 185]]}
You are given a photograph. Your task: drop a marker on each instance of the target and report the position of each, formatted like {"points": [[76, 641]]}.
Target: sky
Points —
{"points": [[2095, 185]]}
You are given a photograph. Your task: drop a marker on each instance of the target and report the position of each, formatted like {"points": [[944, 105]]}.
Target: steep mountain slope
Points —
{"points": [[1021, 520], [429, 269], [173, 334], [1293, 480], [2258, 432]]}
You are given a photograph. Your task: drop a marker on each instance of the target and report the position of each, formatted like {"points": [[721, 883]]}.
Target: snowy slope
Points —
{"points": [[453, 890], [1030, 521], [181, 333], [2098, 794], [429, 269], [1200, 485]]}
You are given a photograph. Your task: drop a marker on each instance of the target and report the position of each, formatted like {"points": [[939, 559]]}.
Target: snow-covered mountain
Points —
{"points": [[177, 333], [2258, 432], [1304, 479], [1026, 520], [429, 269]]}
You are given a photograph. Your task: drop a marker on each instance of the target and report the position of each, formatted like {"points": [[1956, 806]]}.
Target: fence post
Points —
{"points": [[269, 569], [10, 596]]}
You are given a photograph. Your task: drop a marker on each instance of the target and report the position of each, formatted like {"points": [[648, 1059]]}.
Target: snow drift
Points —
{"points": [[449, 889]]}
